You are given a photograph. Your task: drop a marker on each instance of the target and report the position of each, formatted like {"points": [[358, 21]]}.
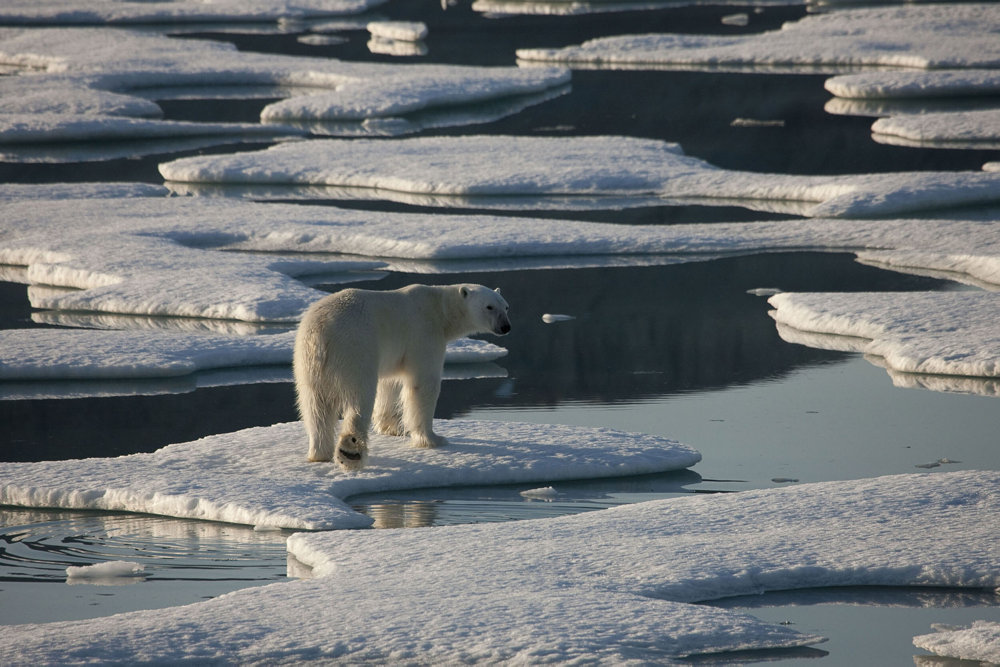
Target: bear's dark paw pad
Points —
{"points": [[352, 456]]}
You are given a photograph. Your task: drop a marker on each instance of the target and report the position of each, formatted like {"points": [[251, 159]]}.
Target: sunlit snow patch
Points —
{"points": [[556, 590], [260, 476], [921, 36], [542, 167], [979, 642], [937, 333]]}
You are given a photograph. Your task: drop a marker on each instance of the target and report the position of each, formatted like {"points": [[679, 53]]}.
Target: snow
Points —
{"points": [[916, 84], [954, 129], [914, 36], [45, 354], [117, 259], [106, 570], [84, 12], [980, 642], [93, 83], [260, 476], [540, 167], [405, 31], [609, 587], [940, 333]]}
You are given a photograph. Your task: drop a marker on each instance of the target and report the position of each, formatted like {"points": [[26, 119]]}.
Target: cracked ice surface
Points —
{"points": [[260, 476], [117, 258], [940, 333], [915, 36], [556, 590], [92, 83], [540, 167]]}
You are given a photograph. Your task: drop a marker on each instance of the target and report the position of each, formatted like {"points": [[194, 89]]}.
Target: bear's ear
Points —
{"points": [[497, 290], [464, 290]]}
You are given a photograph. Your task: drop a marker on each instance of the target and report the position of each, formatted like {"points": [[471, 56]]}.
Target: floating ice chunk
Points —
{"points": [[924, 36], [36, 354], [260, 476], [764, 291], [942, 333], [543, 493], [401, 31], [753, 122], [477, 166], [45, 128], [75, 12], [107, 570], [550, 318], [978, 642], [562, 596], [740, 19], [953, 129], [910, 84]]}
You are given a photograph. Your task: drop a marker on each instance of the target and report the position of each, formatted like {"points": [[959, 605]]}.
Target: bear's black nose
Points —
{"points": [[504, 329]]}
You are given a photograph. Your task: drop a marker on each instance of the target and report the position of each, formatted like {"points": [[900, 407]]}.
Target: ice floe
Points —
{"points": [[541, 167], [913, 36], [84, 12], [403, 31], [939, 333], [978, 642], [100, 83], [953, 129], [556, 590], [916, 84], [260, 476], [48, 354], [157, 256], [107, 570]]}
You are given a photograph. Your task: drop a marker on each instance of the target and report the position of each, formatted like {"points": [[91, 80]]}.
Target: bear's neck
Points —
{"points": [[455, 321]]}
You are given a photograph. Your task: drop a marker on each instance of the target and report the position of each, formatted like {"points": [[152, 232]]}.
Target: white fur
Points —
{"points": [[365, 355]]}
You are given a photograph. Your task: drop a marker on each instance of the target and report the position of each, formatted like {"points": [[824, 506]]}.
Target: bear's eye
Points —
{"points": [[489, 307]]}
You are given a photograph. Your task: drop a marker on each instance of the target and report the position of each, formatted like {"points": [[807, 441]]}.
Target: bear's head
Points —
{"points": [[486, 309]]}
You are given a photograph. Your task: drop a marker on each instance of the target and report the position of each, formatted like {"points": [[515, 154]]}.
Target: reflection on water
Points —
{"points": [[185, 561]]}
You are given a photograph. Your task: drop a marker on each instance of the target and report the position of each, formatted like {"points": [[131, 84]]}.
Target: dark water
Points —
{"points": [[678, 349]]}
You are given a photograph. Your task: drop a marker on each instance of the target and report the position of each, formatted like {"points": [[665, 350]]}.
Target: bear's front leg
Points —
{"points": [[419, 401]]}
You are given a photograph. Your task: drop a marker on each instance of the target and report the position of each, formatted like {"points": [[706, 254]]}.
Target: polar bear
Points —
{"points": [[365, 355]]}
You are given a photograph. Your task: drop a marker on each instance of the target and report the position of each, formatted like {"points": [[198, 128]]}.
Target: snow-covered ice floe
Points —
{"points": [[403, 31], [609, 587], [119, 257], [125, 12], [260, 476], [978, 642], [540, 167], [116, 569], [935, 333], [953, 129], [89, 84], [36, 363], [937, 36]]}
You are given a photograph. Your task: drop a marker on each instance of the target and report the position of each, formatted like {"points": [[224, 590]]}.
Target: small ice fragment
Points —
{"points": [[111, 569], [322, 40], [764, 291], [736, 19], [549, 318], [933, 464], [784, 480], [947, 460], [401, 31], [544, 493], [754, 122]]}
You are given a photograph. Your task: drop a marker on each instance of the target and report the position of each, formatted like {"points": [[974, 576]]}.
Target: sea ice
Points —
{"points": [[46, 354], [556, 590], [916, 84], [978, 642], [118, 257], [939, 333], [540, 167], [915, 36], [96, 83], [86, 12], [107, 570], [402, 31], [260, 476], [953, 129]]}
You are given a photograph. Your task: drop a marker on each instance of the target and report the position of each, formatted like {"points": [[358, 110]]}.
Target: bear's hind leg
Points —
{"points": [[320, 420], [352, 446], [388, 417]]}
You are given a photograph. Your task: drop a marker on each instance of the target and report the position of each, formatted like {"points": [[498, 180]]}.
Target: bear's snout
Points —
{"points": [[502, 327]]}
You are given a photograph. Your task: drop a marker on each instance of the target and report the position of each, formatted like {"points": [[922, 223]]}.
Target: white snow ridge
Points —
{"points": [[608, 587]]}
